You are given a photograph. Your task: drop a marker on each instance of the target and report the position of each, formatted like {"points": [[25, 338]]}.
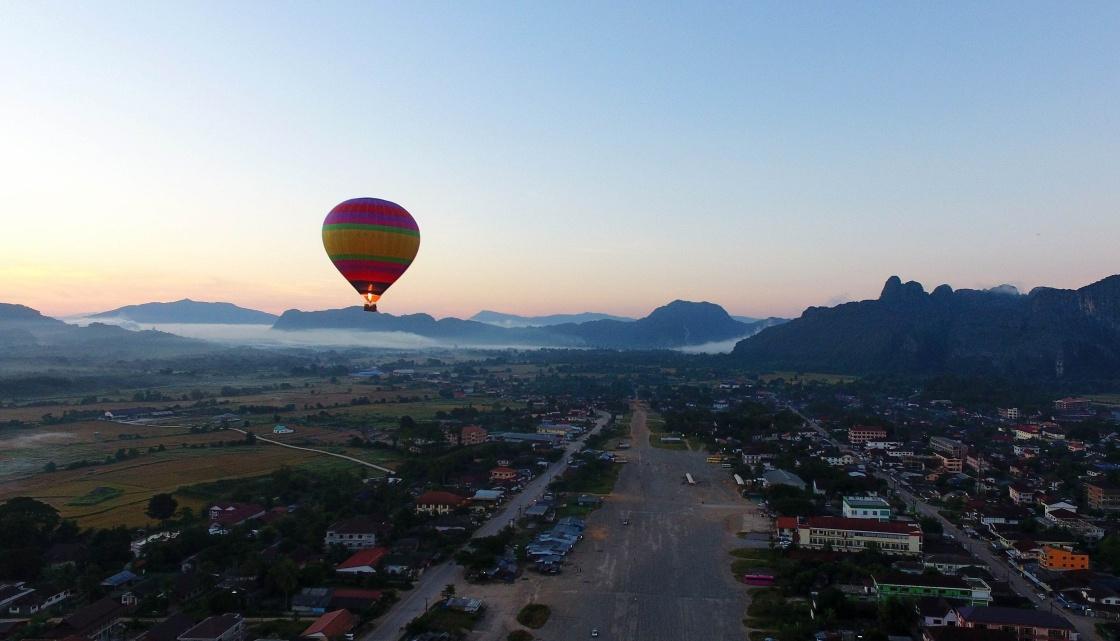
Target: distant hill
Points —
{"points": [[513, 320], [26, 333], [677, 324], [448, 330], [1046, 334], [190, 312]]}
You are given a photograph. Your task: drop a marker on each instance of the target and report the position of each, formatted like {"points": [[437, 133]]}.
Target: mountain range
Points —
{"points": [[677, 324], [502, 319], [1046, 334], [187, 311]]}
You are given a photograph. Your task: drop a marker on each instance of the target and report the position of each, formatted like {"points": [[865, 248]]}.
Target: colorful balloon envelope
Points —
{"points": [[371, 242]]}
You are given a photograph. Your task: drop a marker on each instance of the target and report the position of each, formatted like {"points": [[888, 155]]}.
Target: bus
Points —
{"points": [[688, 479], [716, 458], [739, 480]]}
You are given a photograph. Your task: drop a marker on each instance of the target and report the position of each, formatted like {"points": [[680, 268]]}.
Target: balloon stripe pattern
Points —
{"points": [[371, 242]]}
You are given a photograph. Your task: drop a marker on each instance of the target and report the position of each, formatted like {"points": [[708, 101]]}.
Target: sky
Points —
{"points": [[558, 156]]}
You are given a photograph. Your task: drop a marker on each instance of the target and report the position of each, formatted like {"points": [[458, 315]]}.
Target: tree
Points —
{"points": [[162, 507], [448, 591], [283, 576]]}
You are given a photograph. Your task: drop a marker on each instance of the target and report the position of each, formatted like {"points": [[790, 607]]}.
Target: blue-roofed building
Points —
{"points": [[120, 579]]}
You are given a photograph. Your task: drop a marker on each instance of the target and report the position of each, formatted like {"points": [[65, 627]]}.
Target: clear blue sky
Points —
{"points": [[558, 156]]}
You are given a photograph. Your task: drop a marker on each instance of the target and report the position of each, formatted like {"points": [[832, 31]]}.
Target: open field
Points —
{"points": [[808, 377], [140, 478]]}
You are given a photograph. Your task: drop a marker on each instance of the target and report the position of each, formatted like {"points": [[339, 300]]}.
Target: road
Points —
{"points": [[999, 566], [426, 590], [311, 449], [664, 577]]}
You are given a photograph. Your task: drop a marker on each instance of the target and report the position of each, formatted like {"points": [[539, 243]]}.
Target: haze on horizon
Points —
{"points": [[558, 157]]}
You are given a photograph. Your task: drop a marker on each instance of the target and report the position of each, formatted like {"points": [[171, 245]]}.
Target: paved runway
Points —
{"points": [[664, 577]]}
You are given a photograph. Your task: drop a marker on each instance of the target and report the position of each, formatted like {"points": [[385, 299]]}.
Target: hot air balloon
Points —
{"points": [[371, 242]]}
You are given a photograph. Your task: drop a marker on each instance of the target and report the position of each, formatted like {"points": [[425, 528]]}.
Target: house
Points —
{"points": [[229, 515], [363, 561], [356, 533], [355, 599], [169, 629], [867, 507], [908, 586], [1028, 625], [472, 435], [1020, 494], [953, 632], [439, 502], [95, 621], [225, 627], [120, 580], [1025, 432], [312, 601], [42, 597], [330, 626], [935, 612], [12, 591], [502, 473], [1059, 559], [855, 535]]}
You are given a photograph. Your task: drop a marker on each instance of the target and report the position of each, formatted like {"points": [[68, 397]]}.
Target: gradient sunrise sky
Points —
{"points": [[559, 156]]}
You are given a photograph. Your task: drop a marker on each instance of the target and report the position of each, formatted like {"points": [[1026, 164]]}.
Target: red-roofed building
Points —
{"points": [[856, 535], [503, 474], [231, 514], [439, 502], [332, 625], [355, 599], [363, 561], [786, 526]]}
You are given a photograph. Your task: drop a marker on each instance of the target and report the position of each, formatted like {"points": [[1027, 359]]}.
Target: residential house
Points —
{"points": [[43, 597], [1028, 625], [502, 473], [95, 621], [224, 627], [170, 629], [330, 626], [439, 502], [312, 601], [362, 561], [357, 533], [229, 515]]}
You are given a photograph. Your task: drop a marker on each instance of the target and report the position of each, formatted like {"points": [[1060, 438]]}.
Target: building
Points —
{"points": [[867, 507], [169, 629], [949, 463], [1028, 625], [1103, 496], [948, 447], [502, 473], [1072, 405], [330, 626], [439, 502], [860, 434], [357, 533], [472, 435], [855, 535], [232, 514], [95, 621], [782, 477], [917, 586], [1059, 559], [363, 561], [225, 627], [1010, 413]]}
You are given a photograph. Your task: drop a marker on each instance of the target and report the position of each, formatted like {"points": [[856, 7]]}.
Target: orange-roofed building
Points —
{"points": [[332, 625], [503, 474]]}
